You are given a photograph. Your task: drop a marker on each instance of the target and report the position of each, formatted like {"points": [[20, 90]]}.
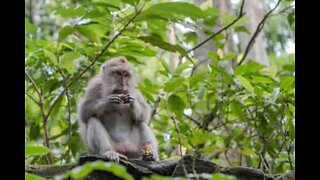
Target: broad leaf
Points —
{"points": [[162, 44], [71, 11], [172, 10], [91, 31], [65, 32], [245, 83], [67, 60], [29, 176], [176, 105], [35, 150], [242, 29], [50, 56], [30, 28]]}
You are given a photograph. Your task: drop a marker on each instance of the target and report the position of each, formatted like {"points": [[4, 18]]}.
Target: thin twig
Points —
{"points": [[69, 107], [241, 14], [36, 88], [180, 145], [155, 105], [257, 32], [95, 59], [283, 10], [32, 98], [193, 120]]}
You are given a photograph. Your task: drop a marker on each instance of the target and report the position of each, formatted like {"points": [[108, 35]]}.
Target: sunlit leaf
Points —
{"points": [[29, 176], [287, 83], [245, 83], [51, 56], [67, 60], [229, 56], [91, 31], [71, 11], [30, 28], [219, 176], [35, 150], [247, 152]]}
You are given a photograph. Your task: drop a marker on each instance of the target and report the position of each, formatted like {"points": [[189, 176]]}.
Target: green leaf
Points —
{"points": [[91, 31], [229, 56], [247, 152], [214, 56], [172, 10], [131, 2], [182, 67], [197, 137], [105, 5], [291, 18], [64, 33], [176, 105], [262, 79], [35, 150], [29, 176], [218, 176], [82, 171], [245, 83], [71, 11], [173, 84], [242, 29], [30, 28], [249, 68], [67, 60], [165, 66], [156, 41], [51, 56], [287, 83]]}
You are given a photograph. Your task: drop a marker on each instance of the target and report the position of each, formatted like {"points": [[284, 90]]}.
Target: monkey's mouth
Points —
{"points": [[120, 91]]}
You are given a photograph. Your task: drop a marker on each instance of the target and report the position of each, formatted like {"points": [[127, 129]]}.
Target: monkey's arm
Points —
{"points": [[141, 111]]}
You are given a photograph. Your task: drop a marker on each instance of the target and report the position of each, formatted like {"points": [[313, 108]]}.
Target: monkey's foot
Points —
{"points": [[114, 156]]}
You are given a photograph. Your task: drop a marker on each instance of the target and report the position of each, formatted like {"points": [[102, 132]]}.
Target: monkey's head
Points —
{"points": [[118, 75]]}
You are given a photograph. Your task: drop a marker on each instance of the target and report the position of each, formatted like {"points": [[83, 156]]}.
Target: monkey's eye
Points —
{"points": [[125, 74], [117, 73]]}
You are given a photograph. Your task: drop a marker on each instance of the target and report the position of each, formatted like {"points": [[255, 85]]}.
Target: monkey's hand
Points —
{"points": [[114, 156], [128, 99], [115, 98], [147, 154]]}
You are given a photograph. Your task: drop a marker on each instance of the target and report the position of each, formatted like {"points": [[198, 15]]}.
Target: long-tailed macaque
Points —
{"points": [[113, 115]]}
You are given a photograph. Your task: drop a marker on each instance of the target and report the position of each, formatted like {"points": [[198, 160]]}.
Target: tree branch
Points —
{"points": [[241, 14], [256, 33], [43, 114]]}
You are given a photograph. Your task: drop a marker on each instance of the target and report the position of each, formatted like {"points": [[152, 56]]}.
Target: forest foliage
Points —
{"points": [[244, 118]]}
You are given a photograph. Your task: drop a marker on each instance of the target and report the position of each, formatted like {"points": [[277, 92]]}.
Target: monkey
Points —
{"points": [[114, 116]]}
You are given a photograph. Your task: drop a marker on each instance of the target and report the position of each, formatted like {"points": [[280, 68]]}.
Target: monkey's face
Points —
{"points": [[121, 79], [119, 76]]}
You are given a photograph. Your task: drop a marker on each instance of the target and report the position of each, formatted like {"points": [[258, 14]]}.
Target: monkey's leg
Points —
{"points": [[147, 136], [99, 141]]}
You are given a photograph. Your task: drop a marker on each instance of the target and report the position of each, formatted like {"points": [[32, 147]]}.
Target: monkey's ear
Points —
{"points": [[123, 59], [103, 67]]}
